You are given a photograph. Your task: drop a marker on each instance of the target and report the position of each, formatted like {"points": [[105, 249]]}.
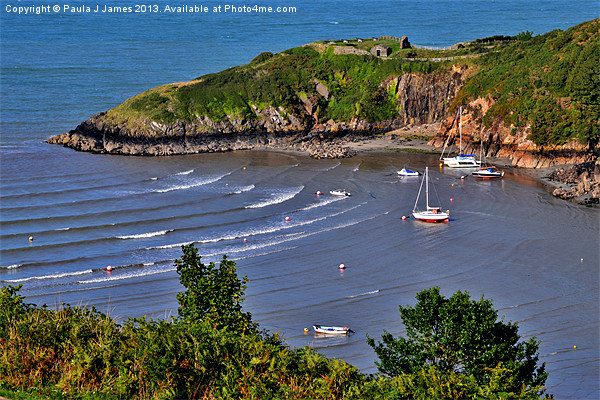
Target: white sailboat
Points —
{"points": [[430, 214], [487, 171], [460, 160]]}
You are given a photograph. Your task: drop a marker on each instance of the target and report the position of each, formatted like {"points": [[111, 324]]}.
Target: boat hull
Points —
{"points": [[339, 193], [430, 216], [407, 172], [488, 173], [462, 162], [331, 330]]}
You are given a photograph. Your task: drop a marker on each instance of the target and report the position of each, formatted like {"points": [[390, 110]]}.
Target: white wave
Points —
{"points": [[54, 276], [357, 167], [170, 246], [277, 198], [362, 294], [146, 235], [62, 229], [185, 172], [256, 232], [333, 166], [118, 277], [324, 202], [244, 189], [12, 266], [148, 264], [194, 184]]}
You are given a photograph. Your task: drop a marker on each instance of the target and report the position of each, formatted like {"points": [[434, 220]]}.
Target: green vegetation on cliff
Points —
{"points": [[550, 82], [287, 80], [213, 350]]}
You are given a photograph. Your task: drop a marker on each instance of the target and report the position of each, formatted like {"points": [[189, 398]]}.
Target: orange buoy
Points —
{"points": [[31, 238], [245, 240]]}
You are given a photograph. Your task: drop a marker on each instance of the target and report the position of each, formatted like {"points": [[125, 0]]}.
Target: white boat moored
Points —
{"points": [[339, 192], [490, 172], [430, 214], [407, 172], [332, 330]]}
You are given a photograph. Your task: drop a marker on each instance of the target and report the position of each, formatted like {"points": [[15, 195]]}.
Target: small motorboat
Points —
{"points": [[488, 172], [339, 192], [332, 330], [407, 172]]}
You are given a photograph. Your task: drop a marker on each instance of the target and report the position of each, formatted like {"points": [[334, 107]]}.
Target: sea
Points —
{"points": [[66, 216]]}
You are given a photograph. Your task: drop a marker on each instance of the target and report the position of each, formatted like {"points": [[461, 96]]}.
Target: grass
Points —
{"points": [[547, 85]]}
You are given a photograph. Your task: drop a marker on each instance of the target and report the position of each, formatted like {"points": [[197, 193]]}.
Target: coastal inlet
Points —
{"points": [[534, 255]]}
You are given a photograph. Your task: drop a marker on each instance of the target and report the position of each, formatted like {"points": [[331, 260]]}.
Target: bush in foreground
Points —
{"points": [[212, 350]]}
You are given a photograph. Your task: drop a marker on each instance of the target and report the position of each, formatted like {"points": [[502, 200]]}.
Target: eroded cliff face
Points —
{"points": [[420, 99], [504, 141]]}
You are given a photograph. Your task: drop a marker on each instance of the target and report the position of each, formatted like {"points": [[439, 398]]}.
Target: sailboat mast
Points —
{"points": [[460, 131], [427, 186]]}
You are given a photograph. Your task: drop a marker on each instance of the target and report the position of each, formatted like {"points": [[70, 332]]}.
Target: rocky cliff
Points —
{"points": [[535, 100], [420, 98], [500, 140]]}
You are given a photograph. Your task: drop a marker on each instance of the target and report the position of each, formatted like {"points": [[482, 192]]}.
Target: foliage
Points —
{"points": [[213, 294], [550, 83], [213, 351], [462, 336], [354, 82]]}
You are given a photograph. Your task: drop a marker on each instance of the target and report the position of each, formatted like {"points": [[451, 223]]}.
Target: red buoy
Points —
{"points": [[287, 218], [109, 268], [342, 266]]}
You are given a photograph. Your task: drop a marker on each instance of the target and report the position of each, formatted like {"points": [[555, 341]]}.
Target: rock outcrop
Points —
{"points": [[420, 99], [582, 182], [503, 141]]}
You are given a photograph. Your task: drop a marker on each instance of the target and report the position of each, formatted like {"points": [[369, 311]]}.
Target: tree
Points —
{"points": [[463, 336], [213, 293]]}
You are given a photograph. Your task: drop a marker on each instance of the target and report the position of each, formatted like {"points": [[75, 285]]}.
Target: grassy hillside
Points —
{"points": [[286, 79], [549, 83]]}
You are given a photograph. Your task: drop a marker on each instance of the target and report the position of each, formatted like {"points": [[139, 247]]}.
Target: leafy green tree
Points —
{"points": [[214, 293], [463, 336]]}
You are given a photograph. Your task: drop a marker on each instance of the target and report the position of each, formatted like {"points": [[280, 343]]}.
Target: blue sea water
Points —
{"points": [[535, 256]]}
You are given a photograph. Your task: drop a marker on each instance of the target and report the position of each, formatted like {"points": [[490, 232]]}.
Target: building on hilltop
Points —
{"points": [[381, 50]]}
